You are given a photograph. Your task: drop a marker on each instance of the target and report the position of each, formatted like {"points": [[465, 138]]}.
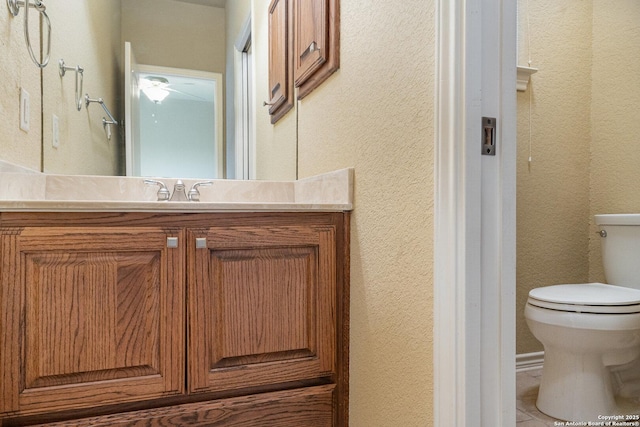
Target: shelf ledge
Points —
{"points": [[523, 77]]}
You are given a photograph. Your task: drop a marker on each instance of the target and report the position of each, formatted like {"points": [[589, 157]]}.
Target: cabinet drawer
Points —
{"points": [[307, 407]]}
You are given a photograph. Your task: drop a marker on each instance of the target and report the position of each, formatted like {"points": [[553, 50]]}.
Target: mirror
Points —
{"points": [[195, 35]]}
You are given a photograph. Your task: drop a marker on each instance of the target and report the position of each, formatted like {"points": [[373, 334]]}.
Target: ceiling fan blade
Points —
{"points": [[184, 93]]}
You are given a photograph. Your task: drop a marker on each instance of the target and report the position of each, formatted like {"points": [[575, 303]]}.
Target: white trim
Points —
{"points": [[456, 234], [474, 215], [244, 37], [524, 73], [529, 361]]}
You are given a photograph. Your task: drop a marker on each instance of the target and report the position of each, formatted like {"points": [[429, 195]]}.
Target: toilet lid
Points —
{"points": [[587, 298]]}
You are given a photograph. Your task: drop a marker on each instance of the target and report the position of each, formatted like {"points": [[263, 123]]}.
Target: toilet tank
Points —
{"points": [[620, 248]]}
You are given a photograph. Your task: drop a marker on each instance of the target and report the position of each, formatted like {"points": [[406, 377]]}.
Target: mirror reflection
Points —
{"points": [[179, 118], [198, 35]]}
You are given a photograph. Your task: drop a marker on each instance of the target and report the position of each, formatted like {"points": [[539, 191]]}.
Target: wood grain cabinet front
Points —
{"points": [[316, 34], [262, 306], [152, 319], [280, 59], [90, 316]]}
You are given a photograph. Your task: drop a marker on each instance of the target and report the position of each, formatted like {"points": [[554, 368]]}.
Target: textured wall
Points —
{"points": [[85, 34], [276, 147], [376, 114], [553, 191], [175, 34], [16, 71], [615, 149]]}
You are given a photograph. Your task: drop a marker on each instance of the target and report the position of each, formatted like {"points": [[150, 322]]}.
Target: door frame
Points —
{"points": [[474, 214]]}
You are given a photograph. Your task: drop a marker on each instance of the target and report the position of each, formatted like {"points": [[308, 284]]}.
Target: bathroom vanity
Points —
{"points": [[221, 313]]}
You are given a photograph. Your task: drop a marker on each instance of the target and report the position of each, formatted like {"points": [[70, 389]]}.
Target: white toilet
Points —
{"points": [[591, 332]]}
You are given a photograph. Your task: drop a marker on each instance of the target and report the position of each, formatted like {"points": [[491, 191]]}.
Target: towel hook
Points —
{"points": [[106, 124], [14, 7], [79, 79]]}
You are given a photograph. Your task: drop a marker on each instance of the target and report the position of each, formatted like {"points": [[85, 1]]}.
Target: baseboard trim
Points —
{"points": [[529, 361]]}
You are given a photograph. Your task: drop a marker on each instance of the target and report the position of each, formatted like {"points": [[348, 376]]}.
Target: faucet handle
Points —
{"points": [[194, 194], [163, 192]]}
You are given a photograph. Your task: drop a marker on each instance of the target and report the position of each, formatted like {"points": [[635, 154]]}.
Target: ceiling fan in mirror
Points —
{"points": [[157, 88]]}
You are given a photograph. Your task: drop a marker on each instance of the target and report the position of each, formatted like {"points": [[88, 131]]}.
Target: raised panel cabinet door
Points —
{"points": [[262, 306], [91, 316], [277, 53], [280, 61], [311, 27], [316, 51]]}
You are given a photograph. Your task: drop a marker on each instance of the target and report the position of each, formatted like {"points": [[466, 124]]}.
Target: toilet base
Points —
{"points": [[575, 387], [626, 379]]}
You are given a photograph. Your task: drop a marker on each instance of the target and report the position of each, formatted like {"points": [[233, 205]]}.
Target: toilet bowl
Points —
{"points": [[590, 330], [582, 338]]}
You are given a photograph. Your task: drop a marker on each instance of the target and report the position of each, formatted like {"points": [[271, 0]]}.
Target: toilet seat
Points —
{"points": [[597, 298]]}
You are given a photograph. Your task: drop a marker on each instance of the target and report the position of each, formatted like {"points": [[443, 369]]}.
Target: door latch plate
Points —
{"points": [[489, 136]]}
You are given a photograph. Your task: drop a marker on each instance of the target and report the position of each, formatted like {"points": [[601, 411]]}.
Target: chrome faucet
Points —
{"points": [[179, 194], [194, 194], [163, 192]]}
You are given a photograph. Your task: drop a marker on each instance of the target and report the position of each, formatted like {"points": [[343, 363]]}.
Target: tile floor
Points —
{"points": [[527, 415]]}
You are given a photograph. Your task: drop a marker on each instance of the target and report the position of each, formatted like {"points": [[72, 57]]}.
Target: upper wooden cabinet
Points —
{"points": [[304, 49], [280, 60], [316, 33]]}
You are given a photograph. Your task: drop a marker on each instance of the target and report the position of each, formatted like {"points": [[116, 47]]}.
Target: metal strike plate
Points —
{"points": [[172, 242], [489, 136], [201, 243]]}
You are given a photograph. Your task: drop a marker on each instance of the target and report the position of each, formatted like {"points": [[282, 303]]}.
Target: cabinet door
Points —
{"points": [[90, 316], [311, 33], [280, 61], [262, 306]]}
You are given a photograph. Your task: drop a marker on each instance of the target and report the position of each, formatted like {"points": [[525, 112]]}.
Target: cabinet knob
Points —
{"points": [[172, 242], [201, 243]]}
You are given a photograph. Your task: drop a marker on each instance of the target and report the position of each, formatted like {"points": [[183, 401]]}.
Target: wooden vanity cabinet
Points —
{"points": [[174, 319]]}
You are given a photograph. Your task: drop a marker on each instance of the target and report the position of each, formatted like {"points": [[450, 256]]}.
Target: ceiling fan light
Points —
{"points": [[155, 94]]}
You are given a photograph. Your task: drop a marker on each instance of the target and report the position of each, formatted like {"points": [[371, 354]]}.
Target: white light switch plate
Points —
{"points": [[55, 125], [25, 110]]}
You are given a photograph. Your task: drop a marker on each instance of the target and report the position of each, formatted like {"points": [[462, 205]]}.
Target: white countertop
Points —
{"points": [[23, 192]]}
